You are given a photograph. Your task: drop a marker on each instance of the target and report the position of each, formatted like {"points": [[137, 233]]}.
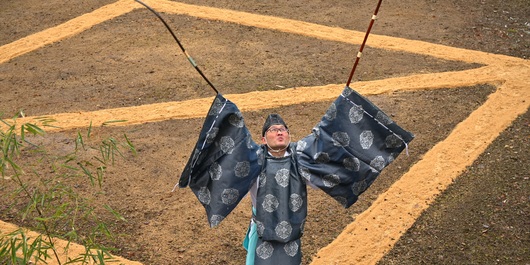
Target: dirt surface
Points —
{"points": [[452, 72]]}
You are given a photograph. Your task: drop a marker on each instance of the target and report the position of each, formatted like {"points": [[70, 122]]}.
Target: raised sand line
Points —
{"points": [[376, 230]]}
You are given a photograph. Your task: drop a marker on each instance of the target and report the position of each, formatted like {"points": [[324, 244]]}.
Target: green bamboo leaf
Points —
{"points": [[89, 131], [79, 141], [87, 173], [112, 121], [32, 128], [115, 213], [130, 144]]}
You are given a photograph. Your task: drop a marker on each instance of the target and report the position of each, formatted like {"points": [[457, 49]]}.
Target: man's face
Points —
{"points": [[277, 137]]}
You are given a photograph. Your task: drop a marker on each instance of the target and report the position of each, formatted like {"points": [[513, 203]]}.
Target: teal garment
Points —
{"points": [[251, 242]]}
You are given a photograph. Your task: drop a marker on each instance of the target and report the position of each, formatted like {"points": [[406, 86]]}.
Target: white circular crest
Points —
{"points": [[264, 250], [270, 203], [215, 220], [295, 202], [215, 171], [236, 120], [356, 113], [227, 144], [393, 141], [283, 229], [291, 248], [366, 138], [242, 169], [383, 118], [282, 177], [204, 195], [341, 139], [229, 196], [359, 186], [301, 145], [351, 163], [378, 163], [331, 180]]}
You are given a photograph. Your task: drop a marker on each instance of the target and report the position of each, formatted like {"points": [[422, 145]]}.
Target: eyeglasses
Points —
{"points": [[277, 130]]}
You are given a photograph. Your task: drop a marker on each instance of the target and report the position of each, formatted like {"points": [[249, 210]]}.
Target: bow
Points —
{"points": [[359, 54], [181, 47]]}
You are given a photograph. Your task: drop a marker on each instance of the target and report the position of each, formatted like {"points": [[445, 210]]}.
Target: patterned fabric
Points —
{"points": [[343, 155], [224, 163], [275, 253], [350, 147], [281, 208]]}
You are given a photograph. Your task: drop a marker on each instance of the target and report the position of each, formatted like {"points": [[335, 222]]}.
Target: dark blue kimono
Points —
{"points": [[343, 155]]}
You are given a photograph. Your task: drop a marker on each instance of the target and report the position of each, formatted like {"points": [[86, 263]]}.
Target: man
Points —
{"points": [[342, 156], [279, 193], [275, 135]]}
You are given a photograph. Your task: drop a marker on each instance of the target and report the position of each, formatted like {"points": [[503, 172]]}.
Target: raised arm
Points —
{"points": [[224, 162], [349, 147]]}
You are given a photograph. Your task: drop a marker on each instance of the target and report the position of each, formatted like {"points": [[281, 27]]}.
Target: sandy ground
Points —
{"points": [[373, 232]]}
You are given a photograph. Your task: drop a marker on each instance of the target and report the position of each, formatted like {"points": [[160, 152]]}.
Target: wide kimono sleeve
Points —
{"points": [[224, 162], [349, 147]]}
